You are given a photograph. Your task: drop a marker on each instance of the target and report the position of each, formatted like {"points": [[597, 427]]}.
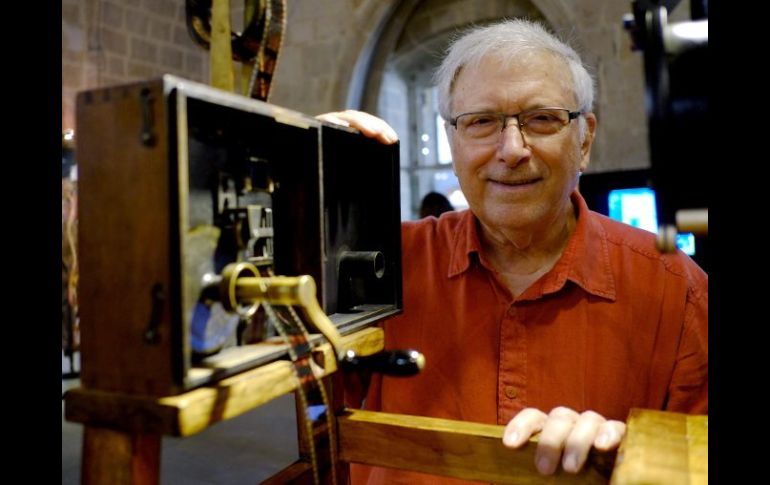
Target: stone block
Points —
{"points": [[144, 50], [137, 21], [70, 14], [162, 8], [73, 38], [139, 70], [116, 65], [114, 41], [71, 74], [112, 14], [160, 30], [172, 57], [182, 37], [193, 66]]}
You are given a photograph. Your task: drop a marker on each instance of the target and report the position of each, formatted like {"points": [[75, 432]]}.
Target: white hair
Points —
{"points": [[508, 39]]}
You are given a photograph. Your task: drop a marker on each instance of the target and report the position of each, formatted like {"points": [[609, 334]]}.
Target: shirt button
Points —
{"points": [[511, 392]]}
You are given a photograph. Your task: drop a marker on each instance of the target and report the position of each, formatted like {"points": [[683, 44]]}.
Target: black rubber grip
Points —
{"points": [[396, 363]]}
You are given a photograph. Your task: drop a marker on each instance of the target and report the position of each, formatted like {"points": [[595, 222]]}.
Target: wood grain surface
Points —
{"points": [[663, 448], [193, 411], [460, 449]]}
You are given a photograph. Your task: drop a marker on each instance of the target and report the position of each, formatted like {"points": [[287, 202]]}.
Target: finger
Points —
{"points": [[519, 429], [333, 118], [580, 440], [556, 429], [369, 125], [609, 435]]}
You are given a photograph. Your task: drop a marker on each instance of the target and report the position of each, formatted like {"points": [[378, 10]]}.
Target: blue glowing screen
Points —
{"points": [[636, 207]]}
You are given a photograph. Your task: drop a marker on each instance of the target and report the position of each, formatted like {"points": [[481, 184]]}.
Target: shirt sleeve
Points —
{"points": [[688, 392]]}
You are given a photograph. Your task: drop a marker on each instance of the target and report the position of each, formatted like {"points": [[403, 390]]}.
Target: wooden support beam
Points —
{"points": [[193, 411], [459, 449], [220, 50], [120, 458]]}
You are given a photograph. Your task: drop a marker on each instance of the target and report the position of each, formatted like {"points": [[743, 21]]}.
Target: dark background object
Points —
{"points": [[677, 79], [434, 204], [596, 187]]}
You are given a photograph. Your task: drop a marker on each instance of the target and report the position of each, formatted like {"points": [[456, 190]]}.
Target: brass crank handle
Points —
{"points": [[279, 290], [301, 291]]}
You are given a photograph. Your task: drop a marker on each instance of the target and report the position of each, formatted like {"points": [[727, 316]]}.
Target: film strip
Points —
{"points": [[267, 57], [278, 296], [295, 335], [258, 46]]}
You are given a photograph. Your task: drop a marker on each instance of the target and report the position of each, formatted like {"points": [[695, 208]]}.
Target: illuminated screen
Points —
{"points": [[636, 207]]}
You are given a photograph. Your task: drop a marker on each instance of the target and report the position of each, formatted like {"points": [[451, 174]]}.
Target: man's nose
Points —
{"points": [[513, 146]]}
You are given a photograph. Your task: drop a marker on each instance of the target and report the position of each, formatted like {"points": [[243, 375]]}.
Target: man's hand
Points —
{"points": [[367, 124], [563, 430]]}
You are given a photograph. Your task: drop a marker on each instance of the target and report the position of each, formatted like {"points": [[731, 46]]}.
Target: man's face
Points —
{"points": [[515, 182]]}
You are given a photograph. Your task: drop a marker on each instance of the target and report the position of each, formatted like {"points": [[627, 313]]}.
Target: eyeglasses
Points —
{"points": [[484, 127]]}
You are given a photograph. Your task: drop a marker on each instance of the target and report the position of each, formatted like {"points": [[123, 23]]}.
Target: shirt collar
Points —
{"points": [[585, 261], [465, 245]]}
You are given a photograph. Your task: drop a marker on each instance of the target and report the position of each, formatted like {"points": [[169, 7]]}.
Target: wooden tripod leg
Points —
{"points": [[220, 52], [120, 458]]}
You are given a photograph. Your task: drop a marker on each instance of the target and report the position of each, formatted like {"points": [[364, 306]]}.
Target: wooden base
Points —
{"points": [[193, 411], [123, 434], [459, 449]]}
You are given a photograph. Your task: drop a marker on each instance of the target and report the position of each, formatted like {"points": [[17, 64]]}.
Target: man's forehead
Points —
{"points": [[530, 67], [526, 59]]}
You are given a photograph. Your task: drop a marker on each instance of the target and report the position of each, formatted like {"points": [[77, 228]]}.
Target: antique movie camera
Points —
{"points": [[194, 203], [677, 101]]}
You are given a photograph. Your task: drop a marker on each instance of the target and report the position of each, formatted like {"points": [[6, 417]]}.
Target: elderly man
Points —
{"points": [[532, 310]]}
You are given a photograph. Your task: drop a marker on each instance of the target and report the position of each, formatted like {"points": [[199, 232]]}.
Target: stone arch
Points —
{"points": [[414, 31], [411, 36], [393, 75]]}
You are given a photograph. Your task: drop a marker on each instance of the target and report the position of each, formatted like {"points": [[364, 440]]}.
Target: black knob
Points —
{"points": [[395, 363]]}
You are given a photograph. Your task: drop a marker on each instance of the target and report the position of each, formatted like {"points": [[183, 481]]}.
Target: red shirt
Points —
{"points": [[613, 325]]}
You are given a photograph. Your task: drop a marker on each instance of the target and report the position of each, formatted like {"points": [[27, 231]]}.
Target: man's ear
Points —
{"points": [[588, 140]]}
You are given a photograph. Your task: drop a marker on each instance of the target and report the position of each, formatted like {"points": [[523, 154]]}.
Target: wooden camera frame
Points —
{"points": [[146, 152]]}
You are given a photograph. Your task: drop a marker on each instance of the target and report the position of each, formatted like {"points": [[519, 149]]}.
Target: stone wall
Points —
{"points": [[324, 53], [107, 42]]}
